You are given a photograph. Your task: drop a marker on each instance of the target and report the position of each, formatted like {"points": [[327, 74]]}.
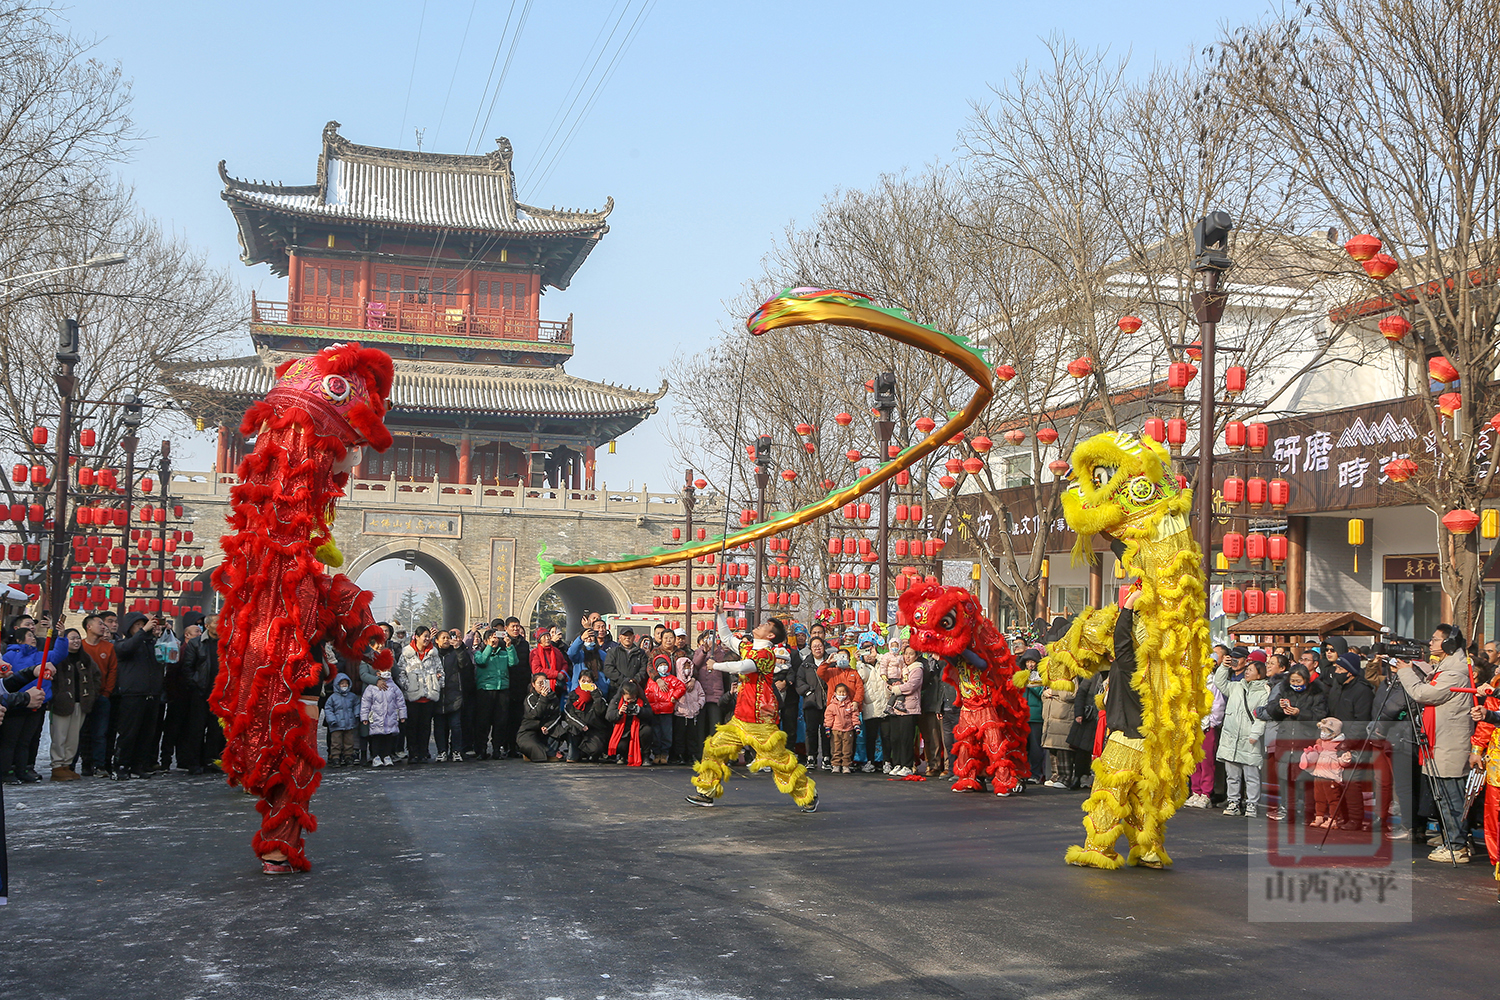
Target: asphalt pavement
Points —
{"points": [[517, 880]]}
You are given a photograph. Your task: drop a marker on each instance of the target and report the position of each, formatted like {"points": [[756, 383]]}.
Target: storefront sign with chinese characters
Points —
{"points": [[446, 526]]}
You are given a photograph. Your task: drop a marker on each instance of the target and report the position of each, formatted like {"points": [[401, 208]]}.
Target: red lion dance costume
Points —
{"points": [[989, 739], [280, 605]]}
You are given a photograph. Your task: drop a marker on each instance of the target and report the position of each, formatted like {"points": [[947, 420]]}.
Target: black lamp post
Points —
{"points": [[133, 409], [67, 357], [885, 403], [762, 480], [1211, 245]]}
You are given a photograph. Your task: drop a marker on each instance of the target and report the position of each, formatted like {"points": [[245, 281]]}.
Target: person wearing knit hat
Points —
{"points": [[1328, 761]]}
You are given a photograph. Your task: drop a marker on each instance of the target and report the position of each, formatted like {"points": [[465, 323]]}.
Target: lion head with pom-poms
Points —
{"points": [[943, 620], [341, 393], [1121, 489]]}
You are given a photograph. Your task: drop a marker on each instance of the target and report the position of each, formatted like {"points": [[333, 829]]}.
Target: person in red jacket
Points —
{"points": [[663, 690], [549, 659]]}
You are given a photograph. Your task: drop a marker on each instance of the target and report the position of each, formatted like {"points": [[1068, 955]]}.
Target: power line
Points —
{"points": [[593, 97], [458, 59], [575, 88], [505, 71], [421, 21], [493, 63]]}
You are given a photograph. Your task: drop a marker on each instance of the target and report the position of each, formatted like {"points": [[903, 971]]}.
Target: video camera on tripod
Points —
{"points": [[1398, 647]]}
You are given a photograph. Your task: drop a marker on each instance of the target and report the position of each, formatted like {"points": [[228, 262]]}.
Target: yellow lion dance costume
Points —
{"points": [[1121, 489]]}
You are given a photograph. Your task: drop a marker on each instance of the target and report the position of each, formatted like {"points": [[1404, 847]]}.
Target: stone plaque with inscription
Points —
{"points": [[421, 525]]}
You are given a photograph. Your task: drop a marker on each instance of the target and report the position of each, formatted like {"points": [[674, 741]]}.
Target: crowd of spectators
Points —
{"points": [[127, 699]]}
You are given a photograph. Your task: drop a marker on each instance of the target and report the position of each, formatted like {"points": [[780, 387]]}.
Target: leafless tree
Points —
{"points": [[1388, 113]]}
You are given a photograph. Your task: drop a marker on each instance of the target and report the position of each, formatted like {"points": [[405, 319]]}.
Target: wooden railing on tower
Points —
{"points": [[410, 317]]}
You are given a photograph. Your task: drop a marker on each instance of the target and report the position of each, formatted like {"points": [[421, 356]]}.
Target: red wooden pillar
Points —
{"points": [[577, 470], [293, 282], [221, 454], [589, 465], [366, 278], [465, 452]]}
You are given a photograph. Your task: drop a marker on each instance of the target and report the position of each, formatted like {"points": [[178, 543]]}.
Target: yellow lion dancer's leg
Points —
{"points": [[718, 750], [1145, 828], [769, 744], [1110, 811]]}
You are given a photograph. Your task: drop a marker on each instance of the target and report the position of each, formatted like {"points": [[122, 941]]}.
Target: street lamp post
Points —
{"points": [[67, 357], [31, 277], [762, 480], [1211, 237], [885, 404], [133, 407], [688, 496], [164, 470]]}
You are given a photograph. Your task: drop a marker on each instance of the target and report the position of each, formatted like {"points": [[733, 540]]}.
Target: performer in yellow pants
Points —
{"points": [[755, 724]]}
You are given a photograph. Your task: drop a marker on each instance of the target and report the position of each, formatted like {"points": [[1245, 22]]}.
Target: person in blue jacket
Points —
{"points": [[22, 727]]}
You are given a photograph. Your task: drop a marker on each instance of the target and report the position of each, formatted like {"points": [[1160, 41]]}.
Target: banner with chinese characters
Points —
{"points": [[502, 576], [421, 525], [1421, 568]]}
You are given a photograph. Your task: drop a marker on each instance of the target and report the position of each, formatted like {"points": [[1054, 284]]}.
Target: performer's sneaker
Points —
{"points": [[699, 799], [276, 867], [812, 806]]}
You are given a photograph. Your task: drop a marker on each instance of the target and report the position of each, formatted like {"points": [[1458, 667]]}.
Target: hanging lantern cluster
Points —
{"points": [[1366, 250]]}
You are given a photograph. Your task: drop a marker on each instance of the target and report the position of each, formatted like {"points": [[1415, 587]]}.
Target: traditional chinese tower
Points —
{"points": [[430, 257]]}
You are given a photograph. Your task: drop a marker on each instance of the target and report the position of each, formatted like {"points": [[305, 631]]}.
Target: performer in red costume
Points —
{"points": [[989, 739], [280, 605], [756, 723]]}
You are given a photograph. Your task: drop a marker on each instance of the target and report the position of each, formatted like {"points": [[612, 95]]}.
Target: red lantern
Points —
{"points": [[1129, 324], [1234, 546], [1155, 429], [1275, 602], [903, 478], [1234, 434], [1255, 546], [1393, 328], [1059, 468], [1461, 522], [1046, 435], [864, 617], [916, 513], [804, 429], [953, 465], [1440, 369], [1179, 374], [862, 511], [863, 581], [18, 473], [1257, 436], [973, 465], [39, 436], [85, 515], [848, 581], [1256, 490], [38, 475], [87, 437], [788, 474], [1255, 600], [1400, 470], [1281, 493], [843, 419], [36, 513], [1362, 247], [981, 444], [1195, 350], [1450, 403], [676, 534], [1176, 432], [1234, 490], [85, 476], [834, 581], [1004, 373], [1232, 600], [1235, 377], [851, 545], [1381, 266], [1015, 436], [853, 455], [1276, 548], [146, 484], [926, 424], [1080, 368], [901, 548], [947, 482]]}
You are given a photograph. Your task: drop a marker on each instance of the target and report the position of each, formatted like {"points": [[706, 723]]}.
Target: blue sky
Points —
{"points": [[720, 124]]}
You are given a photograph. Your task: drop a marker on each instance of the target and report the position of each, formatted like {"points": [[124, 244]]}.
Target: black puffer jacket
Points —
{"points": [[1310, 702], [453, 678], [139, 673], [810, 686], [1353, 701]]}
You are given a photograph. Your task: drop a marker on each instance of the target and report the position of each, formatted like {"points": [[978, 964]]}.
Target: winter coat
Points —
{"points": [[1451, 728], [453, 678], [342, 709], [200, 665], [420, 675], [76, 684], [641, 707], [1085, 708], [841, 716], [877, 700], [710, 680], [1351, 702], [600, 681], [693, 699], [22, 657], [520, 667], [383, 710], [551, 661], [576, 650], [492, 667], [1242, 739], [835, 671], [138, 673], [1322, 758], [1057, 718], [932, 687], [585, 710], [1034, 704], [1311, 704], [103, 656], [662, 693], [540, 715], [810, 686], [905, 683], [621, 665]]}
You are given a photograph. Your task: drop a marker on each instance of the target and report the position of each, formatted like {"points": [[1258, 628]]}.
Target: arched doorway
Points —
{"points": [[569, 597], [458, 593]]}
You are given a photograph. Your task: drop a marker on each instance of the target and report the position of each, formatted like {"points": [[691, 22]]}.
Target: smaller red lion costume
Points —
{"points": [[989, 739], [279, 603]]}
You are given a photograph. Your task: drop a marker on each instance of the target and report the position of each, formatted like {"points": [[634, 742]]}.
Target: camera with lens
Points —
{"points": [[1398, 647]]}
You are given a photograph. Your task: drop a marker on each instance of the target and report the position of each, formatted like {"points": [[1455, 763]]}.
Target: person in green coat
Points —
{"points": [[492, 663]]}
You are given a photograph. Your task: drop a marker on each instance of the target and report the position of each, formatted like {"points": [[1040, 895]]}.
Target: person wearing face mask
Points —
{"points": [[688, 717], [541, 718], [550, 659], [74, 689], [492, 695], [809, 684], [590, 658], [663, 691], [841, 718], [1351, 698], [1241, 744], [420, 675]]}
